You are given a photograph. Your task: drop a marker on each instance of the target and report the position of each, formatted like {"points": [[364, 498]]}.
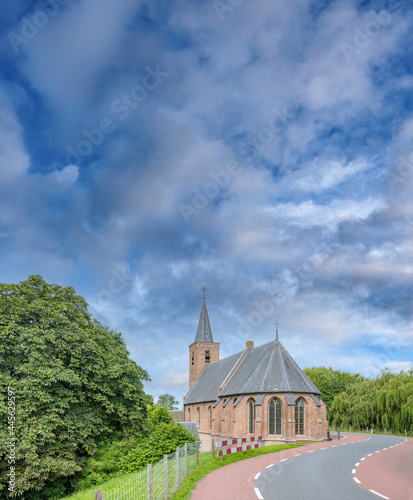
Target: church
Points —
{"points": [[260, 391]]}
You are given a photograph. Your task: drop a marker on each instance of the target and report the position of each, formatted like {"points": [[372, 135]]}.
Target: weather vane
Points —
{"points": [[204, 289]]}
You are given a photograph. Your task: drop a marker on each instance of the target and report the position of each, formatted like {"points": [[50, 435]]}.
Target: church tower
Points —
{"points": [[204, 350]]}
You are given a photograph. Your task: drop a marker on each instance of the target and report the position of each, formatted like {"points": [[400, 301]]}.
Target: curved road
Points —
{"points": [[326, 474], [358, 467]]}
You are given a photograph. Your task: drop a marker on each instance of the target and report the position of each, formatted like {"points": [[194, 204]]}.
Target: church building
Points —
{"points": [[260, 391]]}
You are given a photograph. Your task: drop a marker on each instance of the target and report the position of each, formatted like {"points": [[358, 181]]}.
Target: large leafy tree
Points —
{"points": [[73, 383], [385, 402]]}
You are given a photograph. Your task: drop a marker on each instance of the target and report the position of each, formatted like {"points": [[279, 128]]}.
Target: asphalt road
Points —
{"points": [[323, 474]]}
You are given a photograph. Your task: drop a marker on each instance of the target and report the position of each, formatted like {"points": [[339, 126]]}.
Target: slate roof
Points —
{"points": [[214, 374], [204, 333], [265, 369]]}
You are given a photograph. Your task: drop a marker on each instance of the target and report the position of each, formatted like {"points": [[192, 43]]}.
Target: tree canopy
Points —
{"points": [[72, 378], [167, 401], [385, 402], [331, 382]]}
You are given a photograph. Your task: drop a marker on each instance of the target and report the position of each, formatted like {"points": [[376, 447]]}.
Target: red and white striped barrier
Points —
{"points": [[229, 442]]}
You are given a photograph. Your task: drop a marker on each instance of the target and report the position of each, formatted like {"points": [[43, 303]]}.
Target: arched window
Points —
{"points": [[199, 416], [210, 418], [299, 417], [207, 356], [189, 414], [193, 357], [251, 416], [274, 420]]}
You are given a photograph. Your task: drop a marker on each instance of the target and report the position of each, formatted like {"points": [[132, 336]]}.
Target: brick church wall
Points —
{"points": [[233, 421]]}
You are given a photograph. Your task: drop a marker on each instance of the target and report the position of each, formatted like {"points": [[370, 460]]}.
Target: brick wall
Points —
{"points": [[197, 361], [233, 422]]}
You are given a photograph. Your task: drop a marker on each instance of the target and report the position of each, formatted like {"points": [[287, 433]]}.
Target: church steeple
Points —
{"points": [[204, 333], [203, 351]]}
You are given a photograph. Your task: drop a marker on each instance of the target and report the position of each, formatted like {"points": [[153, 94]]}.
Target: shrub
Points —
{"points": [[164, 440]]}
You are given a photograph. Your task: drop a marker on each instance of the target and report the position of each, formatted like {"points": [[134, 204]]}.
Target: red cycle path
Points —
{"points": [[236, 481], [389, 472]]}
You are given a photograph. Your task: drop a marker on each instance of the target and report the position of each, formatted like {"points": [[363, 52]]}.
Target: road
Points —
{"points": [[335, 470], [331, 473]]}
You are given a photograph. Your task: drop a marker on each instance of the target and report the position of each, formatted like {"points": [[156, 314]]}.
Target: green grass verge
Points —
{"points": [[184, 492], [110, 485]]}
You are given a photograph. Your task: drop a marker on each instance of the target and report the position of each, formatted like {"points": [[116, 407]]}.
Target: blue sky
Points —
{"points": [[261, 147]]}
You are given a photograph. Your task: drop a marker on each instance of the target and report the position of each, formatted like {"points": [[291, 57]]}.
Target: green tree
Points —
{"points": [[385, 402], [331, 382], [73, 383], [163, 440], [158, 414], [167, 401]]}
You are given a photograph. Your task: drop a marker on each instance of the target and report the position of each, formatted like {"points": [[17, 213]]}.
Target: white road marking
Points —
{"points": [[268, 466], [361, 459], [335, 446], [378, 494], [284, 459], [298, 455], [323, 449], [353, 471], [357, 464], [357, 481], [257, 492], [370, 454], [311, 451], [258, 475]]}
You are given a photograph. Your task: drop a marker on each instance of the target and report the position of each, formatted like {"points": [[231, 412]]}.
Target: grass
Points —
{"points": [[184, 492], [377, 432], [107, 487]]}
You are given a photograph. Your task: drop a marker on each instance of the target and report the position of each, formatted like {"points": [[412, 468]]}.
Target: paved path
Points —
{"points": [[318, 471], [389, 472]]}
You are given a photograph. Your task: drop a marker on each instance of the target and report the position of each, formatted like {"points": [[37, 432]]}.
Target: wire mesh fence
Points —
{"points": [[159, 481]]}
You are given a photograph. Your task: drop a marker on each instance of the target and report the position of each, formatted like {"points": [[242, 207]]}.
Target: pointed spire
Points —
{"points": [[204, 333], [276, 329]]}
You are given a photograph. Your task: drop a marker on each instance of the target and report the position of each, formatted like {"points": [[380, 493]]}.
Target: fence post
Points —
{"points": [[149, 481], [197, 454], [99, 495], [186, 459], [165, 472], [213, 448], [177, 466]]}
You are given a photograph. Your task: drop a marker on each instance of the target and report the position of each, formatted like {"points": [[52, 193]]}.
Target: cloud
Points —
{"points": [[314, 225]]}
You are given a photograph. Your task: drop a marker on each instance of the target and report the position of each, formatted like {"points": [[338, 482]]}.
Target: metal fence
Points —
{"points": [[159, 481]]}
